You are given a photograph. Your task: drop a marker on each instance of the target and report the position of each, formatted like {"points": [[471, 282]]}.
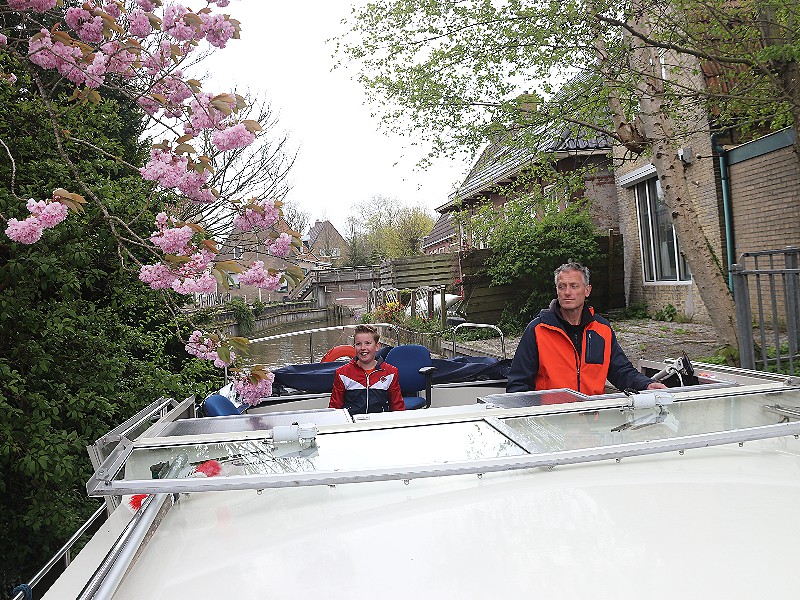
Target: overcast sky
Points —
{"points": [[343, 158]]}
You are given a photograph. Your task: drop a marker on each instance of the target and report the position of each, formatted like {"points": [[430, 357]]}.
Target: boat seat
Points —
{"points": [[217, 405], [414, 365]]}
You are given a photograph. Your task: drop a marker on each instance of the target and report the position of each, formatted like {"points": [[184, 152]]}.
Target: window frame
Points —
{"points": [[651, 258]]}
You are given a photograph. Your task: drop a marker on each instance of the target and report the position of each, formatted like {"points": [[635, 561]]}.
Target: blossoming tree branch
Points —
{"points": [[138, 48]]}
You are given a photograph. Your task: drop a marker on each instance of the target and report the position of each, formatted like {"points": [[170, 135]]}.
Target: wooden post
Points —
{"points": [[443, 307], [430, 303]]}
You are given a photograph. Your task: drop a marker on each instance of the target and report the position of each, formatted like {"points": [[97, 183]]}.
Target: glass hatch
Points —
{"points": [[498, 440]]}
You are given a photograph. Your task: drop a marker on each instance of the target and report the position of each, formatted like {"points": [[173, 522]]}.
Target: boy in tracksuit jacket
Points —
{"points": [[568, 346], [366, 384]]}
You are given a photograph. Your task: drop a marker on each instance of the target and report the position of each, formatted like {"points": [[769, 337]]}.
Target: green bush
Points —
{"points": [[635, 310], [245, 319], [667, 314], [259, 307], [525, 252]]}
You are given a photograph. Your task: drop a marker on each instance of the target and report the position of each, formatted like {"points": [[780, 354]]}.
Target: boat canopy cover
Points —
{"points": [[317, 378]]}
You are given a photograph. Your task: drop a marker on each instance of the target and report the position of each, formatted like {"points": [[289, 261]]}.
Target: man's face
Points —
{"points": [[366, 347], [571, 290]]}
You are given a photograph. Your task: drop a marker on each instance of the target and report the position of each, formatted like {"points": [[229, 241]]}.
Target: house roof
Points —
{"points": [[507, 156], [444, 229], [316, 230]]}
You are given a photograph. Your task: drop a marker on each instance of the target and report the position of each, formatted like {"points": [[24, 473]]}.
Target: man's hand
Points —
{"points": [[656, 386]]}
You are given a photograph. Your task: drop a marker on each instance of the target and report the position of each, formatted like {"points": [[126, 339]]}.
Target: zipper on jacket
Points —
{"points": [[366, 409]]}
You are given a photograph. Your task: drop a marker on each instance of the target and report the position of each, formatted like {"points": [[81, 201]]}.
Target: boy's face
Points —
{"points": [[366, 347]]}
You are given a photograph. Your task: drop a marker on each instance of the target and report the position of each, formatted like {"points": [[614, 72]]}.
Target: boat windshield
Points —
{"points": [[475, 442]]}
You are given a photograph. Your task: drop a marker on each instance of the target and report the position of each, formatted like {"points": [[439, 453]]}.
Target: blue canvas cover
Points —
{"points": [[317, 378]]}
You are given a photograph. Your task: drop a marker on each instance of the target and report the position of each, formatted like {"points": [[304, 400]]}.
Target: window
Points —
{"points": [[336, 252], [238, 252], [661, 255]]}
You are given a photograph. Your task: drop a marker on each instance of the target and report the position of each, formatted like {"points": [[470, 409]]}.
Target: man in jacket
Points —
{"points": [[568, 346]]}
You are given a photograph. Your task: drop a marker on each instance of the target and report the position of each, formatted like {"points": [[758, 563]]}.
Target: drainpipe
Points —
{"points": [[726, 204]]}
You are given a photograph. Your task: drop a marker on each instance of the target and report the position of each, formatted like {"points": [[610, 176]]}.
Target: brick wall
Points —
{"points": [[703, 188], [766, 201]]}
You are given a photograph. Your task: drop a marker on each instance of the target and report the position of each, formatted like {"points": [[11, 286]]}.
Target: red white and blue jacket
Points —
{"points": [[546, 358], [359, 392]]}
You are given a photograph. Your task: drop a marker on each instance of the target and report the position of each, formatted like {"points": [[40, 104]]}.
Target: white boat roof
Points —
{"points": [[689, 519]]}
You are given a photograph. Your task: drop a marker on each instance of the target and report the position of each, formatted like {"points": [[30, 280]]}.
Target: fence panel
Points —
{"points": [[766, 288]]}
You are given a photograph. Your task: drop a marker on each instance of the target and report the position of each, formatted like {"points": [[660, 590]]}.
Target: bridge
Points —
{"points": [[348, 286]]}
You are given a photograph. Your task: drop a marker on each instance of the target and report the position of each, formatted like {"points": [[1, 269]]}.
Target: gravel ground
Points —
{"points": [[639, 338]]}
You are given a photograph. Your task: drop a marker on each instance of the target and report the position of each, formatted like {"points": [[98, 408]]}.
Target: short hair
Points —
{"points": [[572, 266], [367, 329]]}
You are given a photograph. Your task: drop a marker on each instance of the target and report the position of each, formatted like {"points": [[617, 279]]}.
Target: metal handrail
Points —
{"points": [[310, 333], [481, 326], [475, 466], [63, 552]]}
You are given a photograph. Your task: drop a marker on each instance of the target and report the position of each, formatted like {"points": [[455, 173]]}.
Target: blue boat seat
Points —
{"points": [[414, 365], [217, 405]]}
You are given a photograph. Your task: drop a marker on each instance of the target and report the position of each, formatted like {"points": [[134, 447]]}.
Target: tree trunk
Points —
{"points": [[657, 130]]}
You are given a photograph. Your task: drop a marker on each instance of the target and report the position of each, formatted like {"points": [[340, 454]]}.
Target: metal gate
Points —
{"points": [[766, 290]]}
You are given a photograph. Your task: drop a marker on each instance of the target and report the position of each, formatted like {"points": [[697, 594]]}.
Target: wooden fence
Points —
{"points": [[418, 271], [484, 303]]}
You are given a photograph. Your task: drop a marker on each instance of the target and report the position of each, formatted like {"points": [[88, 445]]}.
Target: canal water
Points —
{"points": [[299, 348]]}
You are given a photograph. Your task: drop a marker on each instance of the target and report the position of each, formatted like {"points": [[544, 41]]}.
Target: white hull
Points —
{"points": [[710, 522]]}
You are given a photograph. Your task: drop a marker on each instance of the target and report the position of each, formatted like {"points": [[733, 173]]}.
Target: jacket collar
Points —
{"points": [[552, 315]]}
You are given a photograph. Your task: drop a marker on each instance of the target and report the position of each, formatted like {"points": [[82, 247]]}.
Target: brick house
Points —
{"points": [[325, 241], [762, 177], [503, 169]]}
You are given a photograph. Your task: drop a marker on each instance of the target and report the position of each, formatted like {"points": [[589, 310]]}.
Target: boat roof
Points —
{"points": [[677, 493]]}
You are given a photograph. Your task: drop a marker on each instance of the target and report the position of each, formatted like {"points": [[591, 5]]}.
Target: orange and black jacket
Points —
{"points": [[359, 392], [546, 358]]}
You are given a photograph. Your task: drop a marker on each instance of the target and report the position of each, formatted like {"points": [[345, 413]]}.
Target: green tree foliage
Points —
{"points": [[382, 228], [453, 72], [525, 250], [84, 343]]}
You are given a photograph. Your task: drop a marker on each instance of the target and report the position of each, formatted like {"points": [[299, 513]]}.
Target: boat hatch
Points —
{"points": [[312, 453]]}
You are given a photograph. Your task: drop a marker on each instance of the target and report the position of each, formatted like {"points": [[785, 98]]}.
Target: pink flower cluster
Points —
{"points": [[44, 215], [187, 277], [233, 137], [108, 40], [257, 214], [202, 346], [280, 247], [252, 393], [258, 277], [37, 5], [172, 240], [172, 171]]}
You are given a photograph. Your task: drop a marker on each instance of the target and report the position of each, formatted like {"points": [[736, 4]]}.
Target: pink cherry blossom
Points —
{"points": [[257, 214], [119, 60], [258, 277], [88, 27], [203, 115], [138, 24], [3, 40], [251, 393], [112, 9], [146, 5], [44, 215], [203, 346], [175, 25], [217, 29], [236, 136], [280, 247], [173, 240], [27, 231], [39, 6]]}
